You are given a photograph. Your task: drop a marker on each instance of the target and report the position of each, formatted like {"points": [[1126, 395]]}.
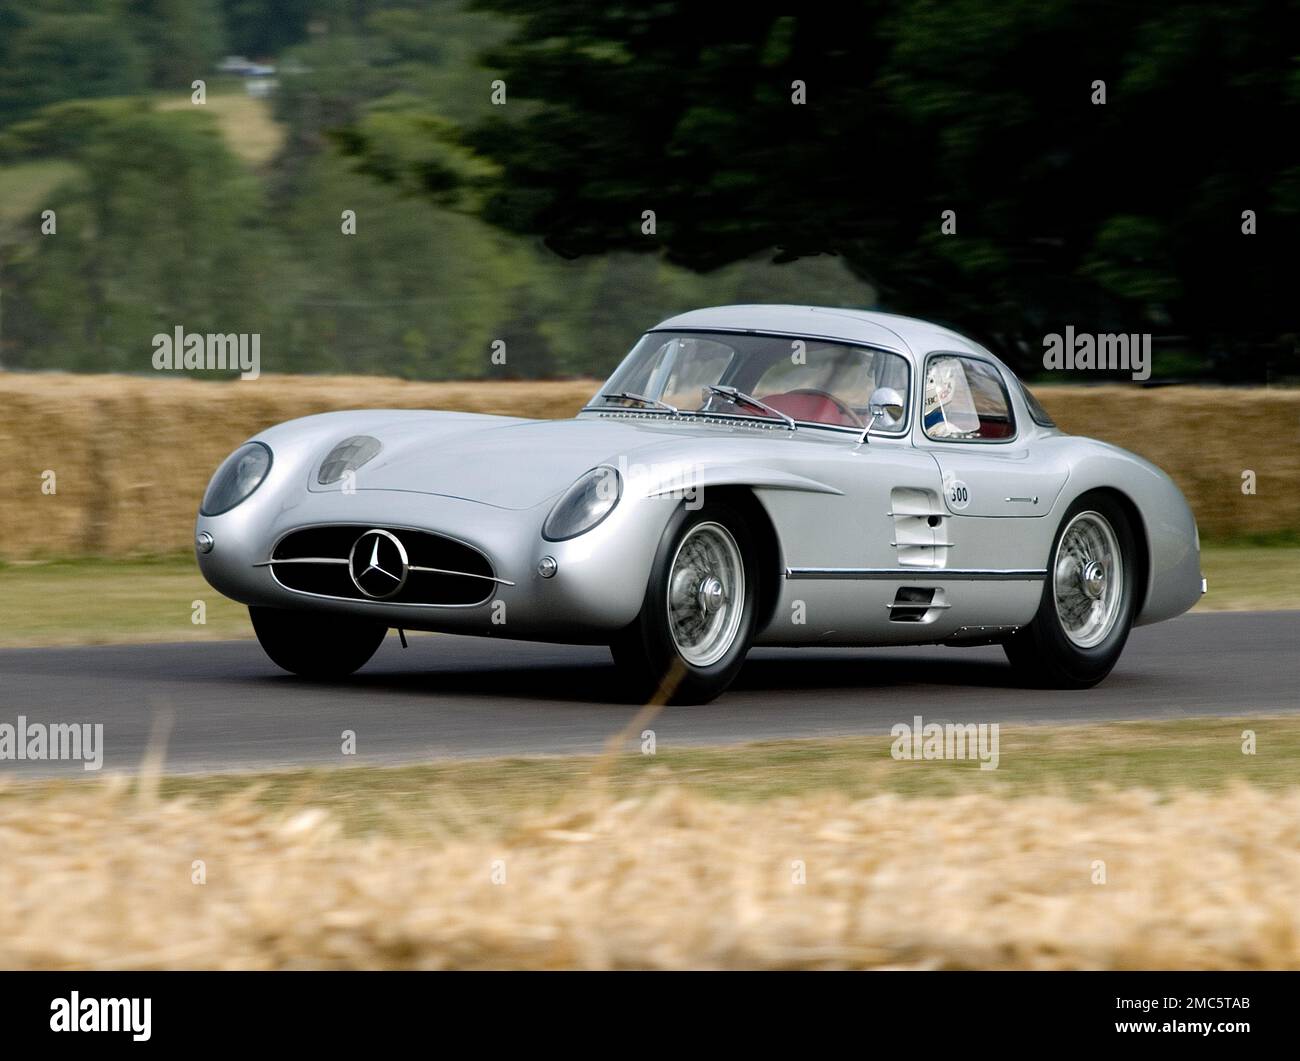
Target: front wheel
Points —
{"points": [[697, 619], [1088, 600], [314, 645]]}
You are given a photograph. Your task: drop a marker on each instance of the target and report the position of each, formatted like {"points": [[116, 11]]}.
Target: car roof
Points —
{"points": [[888, 330]]}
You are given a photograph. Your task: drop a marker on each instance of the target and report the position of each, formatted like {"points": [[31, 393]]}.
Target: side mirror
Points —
{"points": [[885, 404]]}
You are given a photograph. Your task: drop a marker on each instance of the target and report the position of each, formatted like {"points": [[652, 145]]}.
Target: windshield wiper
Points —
{"points": [[629, 396], [739, 397]]}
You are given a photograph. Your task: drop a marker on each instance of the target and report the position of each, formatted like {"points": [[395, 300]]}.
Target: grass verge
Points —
{"points": [[120, 601], [1251, 577], [1077, 762], [93, 602]]}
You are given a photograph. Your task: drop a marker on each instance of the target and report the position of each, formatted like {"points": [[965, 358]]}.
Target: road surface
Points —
{"points": [[224, 706]]}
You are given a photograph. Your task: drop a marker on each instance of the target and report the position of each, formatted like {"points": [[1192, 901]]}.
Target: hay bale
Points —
{"points": [[132, 455]]}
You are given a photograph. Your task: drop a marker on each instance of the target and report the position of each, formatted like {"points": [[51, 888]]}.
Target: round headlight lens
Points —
{"points": [[346, 457], [588, 501], [239, 475]]}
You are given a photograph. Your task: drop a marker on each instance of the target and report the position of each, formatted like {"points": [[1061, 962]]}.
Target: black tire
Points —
{"points": [[314, 645], [648, 655], [1043, 653]]}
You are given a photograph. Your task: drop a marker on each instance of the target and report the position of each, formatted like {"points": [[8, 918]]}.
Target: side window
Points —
{"points": [[965, 401]]}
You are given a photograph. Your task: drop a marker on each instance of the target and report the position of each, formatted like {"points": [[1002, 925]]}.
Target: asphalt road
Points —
{"points": [[224, 706]]}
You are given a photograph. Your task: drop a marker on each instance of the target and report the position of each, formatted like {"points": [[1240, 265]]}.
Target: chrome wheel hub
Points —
{"points": [[1088, 579], [712, 595], [1093, 579], [706, 594]]}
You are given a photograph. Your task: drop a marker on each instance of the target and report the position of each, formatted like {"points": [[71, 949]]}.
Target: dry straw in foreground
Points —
{"points": [[97, 878]]}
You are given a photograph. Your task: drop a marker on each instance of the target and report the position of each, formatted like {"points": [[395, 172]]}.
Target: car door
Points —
{"points": [[849, 554], [970, 426], [997, 488]]}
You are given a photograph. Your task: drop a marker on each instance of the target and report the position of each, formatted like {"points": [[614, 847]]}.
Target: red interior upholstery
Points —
{"points": [[812, 406], [990, 428]]}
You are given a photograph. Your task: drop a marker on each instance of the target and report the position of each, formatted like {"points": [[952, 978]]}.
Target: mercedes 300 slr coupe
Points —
{"points": [[750, 475]]}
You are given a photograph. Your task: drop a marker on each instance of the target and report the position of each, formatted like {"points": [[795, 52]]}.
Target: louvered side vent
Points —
{"points": [[910, 604], [920, 527], [917, 604]]}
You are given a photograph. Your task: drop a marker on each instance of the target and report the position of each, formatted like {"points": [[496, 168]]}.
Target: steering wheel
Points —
{"points": [[852, 418]]}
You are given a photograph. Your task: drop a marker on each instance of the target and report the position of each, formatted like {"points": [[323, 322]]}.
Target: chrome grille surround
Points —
{"points": [[443, 571]]}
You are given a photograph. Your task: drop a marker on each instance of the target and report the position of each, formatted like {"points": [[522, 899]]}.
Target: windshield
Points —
{"points": [[810, 380]]}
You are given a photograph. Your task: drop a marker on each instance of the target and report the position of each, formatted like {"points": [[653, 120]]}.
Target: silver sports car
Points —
{"points": [[750, 475]]}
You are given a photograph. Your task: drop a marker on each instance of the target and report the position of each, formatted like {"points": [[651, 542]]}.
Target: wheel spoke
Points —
{"points": [[705, 594], [1088, 579]]}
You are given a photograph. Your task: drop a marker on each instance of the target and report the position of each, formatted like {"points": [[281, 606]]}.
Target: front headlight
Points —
{"points": [[239, 475], [346, 457], [588, 501]]}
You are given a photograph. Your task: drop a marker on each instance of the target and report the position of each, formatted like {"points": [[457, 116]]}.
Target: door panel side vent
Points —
{"points": [[920, 527]]}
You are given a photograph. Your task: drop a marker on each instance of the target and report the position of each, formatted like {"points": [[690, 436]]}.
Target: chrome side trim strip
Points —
{"points": [[903, 574]]}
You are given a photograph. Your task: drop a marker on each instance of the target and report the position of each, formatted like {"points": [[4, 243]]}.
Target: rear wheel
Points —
{"points": [[697, 619], [1087, 607], [314, 645]]}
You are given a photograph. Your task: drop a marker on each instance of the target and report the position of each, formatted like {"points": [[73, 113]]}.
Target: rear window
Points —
{"points": [[1037, 413]]}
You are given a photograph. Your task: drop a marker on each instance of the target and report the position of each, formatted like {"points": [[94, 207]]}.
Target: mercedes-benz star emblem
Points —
{"points": [[378, 564]]}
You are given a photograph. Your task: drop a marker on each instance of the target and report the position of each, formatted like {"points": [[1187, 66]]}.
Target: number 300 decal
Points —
{"points": [[958, 493]]}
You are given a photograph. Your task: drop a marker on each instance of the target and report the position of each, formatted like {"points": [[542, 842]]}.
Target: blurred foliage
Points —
{"points": [[181, 38], [523, 222], [261, 28], [160, 224], [1125, 216], [58, 56]]}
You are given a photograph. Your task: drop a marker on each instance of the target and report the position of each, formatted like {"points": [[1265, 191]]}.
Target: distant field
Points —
{"points": [[245, 122], [25, 188], [132, 454], [92, 602]]}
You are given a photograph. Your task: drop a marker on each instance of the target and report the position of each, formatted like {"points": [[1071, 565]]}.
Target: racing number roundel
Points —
{"points": [[958, 493]]}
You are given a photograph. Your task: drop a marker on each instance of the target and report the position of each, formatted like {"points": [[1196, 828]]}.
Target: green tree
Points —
{"points": [[163, 228], [182, 39], [267, 27], [68, 56], [1123, 215]]}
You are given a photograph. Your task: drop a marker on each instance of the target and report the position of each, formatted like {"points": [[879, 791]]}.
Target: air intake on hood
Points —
{"points": [[346, 457]]}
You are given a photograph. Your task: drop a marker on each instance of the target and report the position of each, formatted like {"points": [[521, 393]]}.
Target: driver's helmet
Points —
{"points": [[948, 410]]}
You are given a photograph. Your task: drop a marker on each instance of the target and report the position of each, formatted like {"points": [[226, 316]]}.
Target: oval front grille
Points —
{"points": [[314, 560]]}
